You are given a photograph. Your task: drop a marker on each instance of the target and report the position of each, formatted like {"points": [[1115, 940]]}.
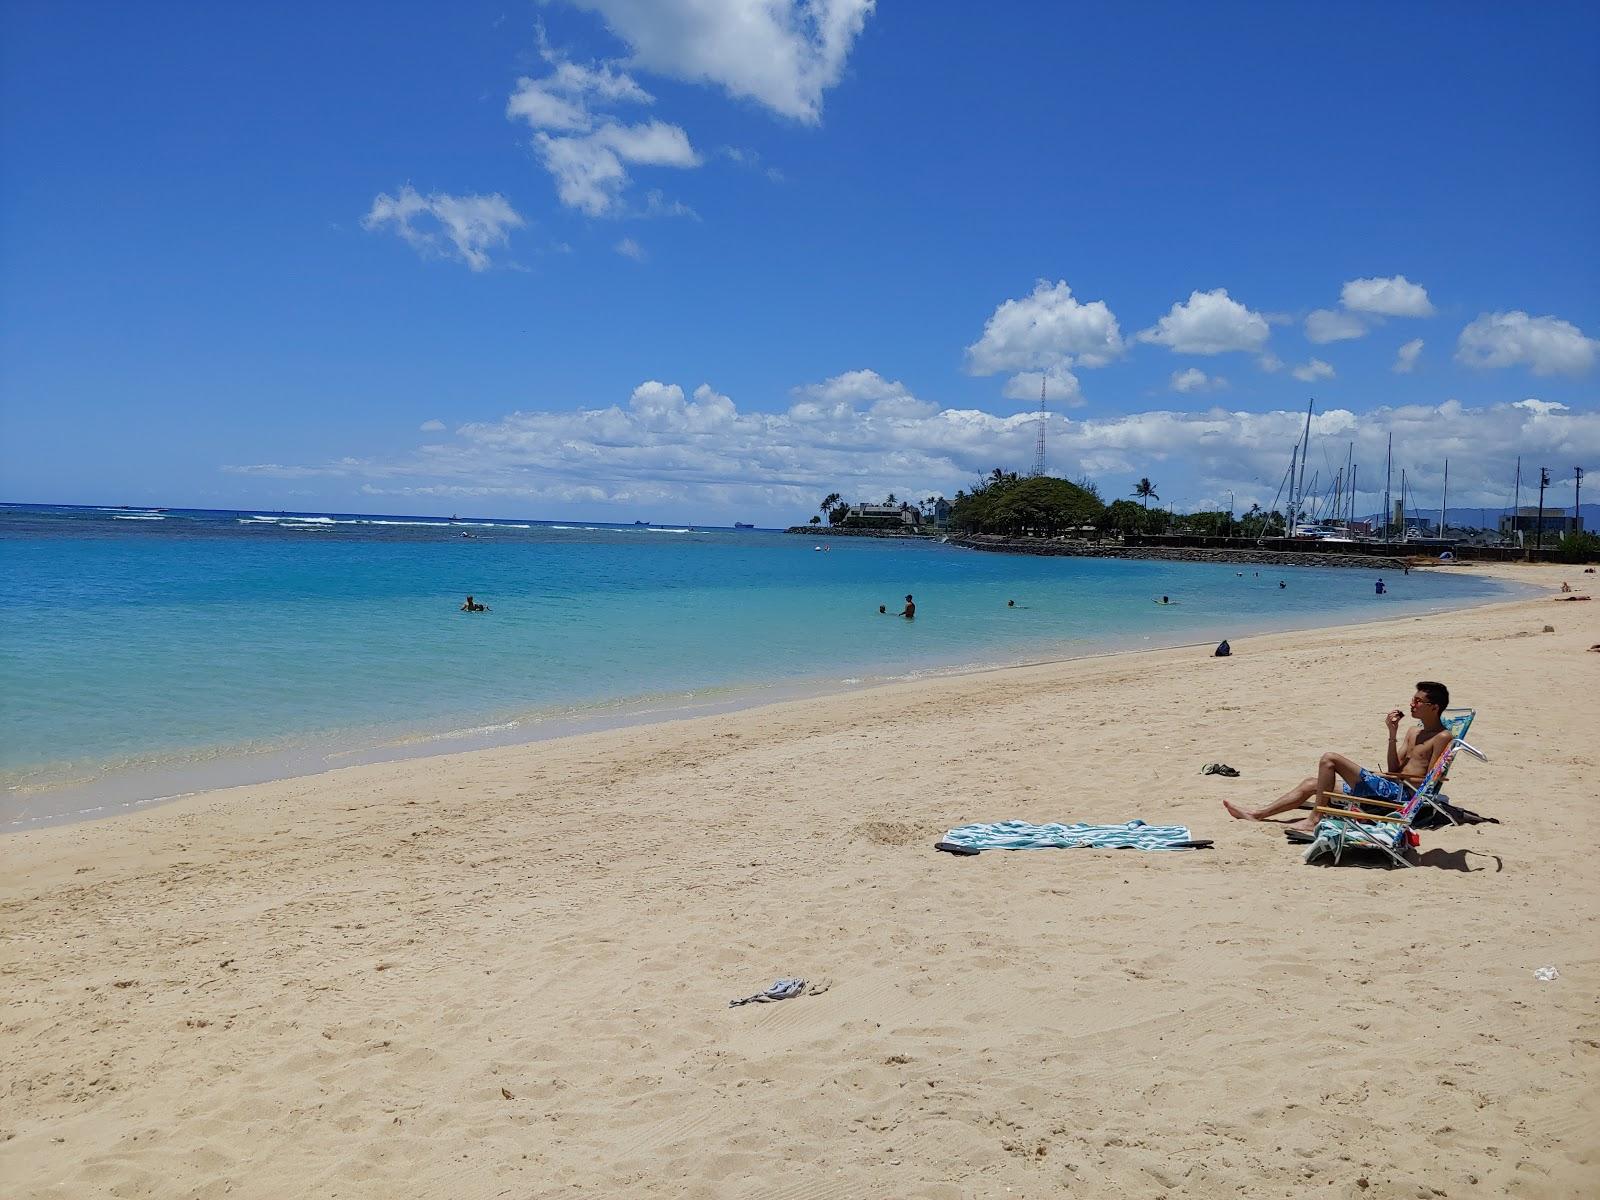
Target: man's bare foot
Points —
{"points": [[1235, 811]]}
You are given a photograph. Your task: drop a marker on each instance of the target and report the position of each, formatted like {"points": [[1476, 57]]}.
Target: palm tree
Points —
{"points": [[1146, 491], [828, 502]]}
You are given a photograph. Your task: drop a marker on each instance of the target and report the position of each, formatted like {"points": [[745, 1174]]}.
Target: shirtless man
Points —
{"points": [[1411, 758], [909, 612]]}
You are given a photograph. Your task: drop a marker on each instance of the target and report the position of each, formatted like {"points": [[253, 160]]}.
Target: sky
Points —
{"points": [[709, 260]]}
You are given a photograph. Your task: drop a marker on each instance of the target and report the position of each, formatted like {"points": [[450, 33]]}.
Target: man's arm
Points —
{"points": [[1395, 756]]}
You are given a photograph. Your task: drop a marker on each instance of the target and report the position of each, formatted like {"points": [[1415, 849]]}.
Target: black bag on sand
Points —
{"points": [[1223, 650]]}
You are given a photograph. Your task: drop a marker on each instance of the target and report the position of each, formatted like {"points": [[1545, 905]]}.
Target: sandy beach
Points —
{"points": [[507, 973]]}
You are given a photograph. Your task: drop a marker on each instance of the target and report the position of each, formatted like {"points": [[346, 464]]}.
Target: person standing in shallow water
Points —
{"points": [[909, 612]]}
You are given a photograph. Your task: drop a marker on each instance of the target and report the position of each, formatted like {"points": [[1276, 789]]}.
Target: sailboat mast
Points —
{"points": [[1305, 446], [1445, 498], [1388, 483]]}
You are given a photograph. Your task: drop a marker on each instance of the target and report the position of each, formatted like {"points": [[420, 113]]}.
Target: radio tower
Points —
{"points": [[1038, 449]]}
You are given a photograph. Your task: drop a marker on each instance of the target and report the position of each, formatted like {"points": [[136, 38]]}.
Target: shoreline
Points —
{"points": [[148, 786], [508, 971]]}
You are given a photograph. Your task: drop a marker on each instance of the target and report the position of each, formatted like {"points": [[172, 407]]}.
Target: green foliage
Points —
{"points": [[1124, 516], [1578, 547], [816, 520], [1207, 524], [1040, 506]]}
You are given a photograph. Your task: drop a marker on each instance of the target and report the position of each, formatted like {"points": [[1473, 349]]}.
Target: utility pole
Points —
{"points": [[1544, 482]]}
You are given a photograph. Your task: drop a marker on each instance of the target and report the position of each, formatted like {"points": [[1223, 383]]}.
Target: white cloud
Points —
{"points": [[629, 248], [863, 434], [1195, 380], [1393, 297], [431, 426], [1048, 329], [1313, 370], [1270, 363], [586, 150], [1061, 387], [1405, 358], [463, 227], [783, 54], [1328, 325], [1546, 344], [1209, 323]]}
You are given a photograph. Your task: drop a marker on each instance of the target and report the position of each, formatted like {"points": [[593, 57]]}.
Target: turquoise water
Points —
{"points": [[138, 644]]}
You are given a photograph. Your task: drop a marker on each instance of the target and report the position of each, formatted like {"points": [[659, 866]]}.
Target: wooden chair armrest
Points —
{"points": [[1347, 798], [1352, 815]]}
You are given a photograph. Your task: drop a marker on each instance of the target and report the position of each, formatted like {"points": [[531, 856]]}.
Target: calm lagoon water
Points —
{"points": [[147, 652]]}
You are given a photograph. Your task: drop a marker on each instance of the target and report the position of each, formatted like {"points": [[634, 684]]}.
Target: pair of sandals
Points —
{"points": [[1219, 769]]}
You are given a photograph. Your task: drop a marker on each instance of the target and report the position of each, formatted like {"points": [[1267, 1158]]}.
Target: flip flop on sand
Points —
{"points": [[1219, 769]]}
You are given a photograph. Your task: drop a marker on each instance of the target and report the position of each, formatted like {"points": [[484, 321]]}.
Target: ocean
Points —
{"points": [[147, 653]]}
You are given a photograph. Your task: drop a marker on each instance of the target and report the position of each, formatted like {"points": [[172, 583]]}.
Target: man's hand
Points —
{"points": [[1393, 721]]}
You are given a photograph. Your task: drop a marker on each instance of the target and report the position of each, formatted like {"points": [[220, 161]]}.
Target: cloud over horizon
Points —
{"points": [[864, 434]]}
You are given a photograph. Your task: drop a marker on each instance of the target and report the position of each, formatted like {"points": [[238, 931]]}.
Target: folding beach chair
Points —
{"points": [[1342, 828], [1457, 721]]}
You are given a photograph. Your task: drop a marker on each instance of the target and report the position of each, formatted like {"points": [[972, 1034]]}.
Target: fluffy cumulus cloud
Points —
{"points": [[1405, 358], [1057, 386], [1195, 380], [782, 54], [1393, 297], [1209, 323], [587, 150], [1547, 345], [1041, 335], [1312, 371], [863, 434], [1329, 325], [441, 225]]}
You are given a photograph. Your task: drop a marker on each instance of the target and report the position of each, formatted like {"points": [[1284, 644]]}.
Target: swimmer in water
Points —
{"points": [[473, 606], [909, 612], [1282, 584]]}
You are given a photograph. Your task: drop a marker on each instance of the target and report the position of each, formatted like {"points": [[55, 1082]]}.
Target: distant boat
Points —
{"points": [[743, 525], [641, 522]]}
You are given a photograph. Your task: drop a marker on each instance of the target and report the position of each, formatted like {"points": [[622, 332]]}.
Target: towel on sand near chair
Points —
{"points": [[1020, 835]]}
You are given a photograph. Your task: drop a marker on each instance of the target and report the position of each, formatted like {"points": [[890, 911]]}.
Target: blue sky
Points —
{"points": [[707, 261]]}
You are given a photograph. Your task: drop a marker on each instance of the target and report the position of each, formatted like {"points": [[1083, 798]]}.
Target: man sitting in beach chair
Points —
{"points": [[1410, 759]]}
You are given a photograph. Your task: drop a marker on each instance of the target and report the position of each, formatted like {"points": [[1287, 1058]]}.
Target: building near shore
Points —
{"points": [[1526, 520], [882, 514]]}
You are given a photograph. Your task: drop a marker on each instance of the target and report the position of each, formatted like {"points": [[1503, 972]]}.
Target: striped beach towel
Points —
{"points": [[1020, 835]]}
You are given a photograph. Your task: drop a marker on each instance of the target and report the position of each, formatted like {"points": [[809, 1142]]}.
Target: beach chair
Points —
{"points": [[1341, 828], [1457, 721]]}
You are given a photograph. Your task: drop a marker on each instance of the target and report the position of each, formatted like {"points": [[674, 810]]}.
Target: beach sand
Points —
{"points": [[507, 973]]}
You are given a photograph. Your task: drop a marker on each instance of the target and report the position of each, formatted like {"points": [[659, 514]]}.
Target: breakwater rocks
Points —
{"points": [[1274, 558], [840, 531]]}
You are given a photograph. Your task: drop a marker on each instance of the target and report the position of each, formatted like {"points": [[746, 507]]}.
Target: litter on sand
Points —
{"points": [[781, 989], [1220, 769]]}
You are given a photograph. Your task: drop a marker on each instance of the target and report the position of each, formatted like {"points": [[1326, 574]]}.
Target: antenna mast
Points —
{"points": [[1038, 449]]}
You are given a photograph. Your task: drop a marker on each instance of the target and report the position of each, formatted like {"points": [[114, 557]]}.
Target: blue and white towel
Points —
{"points": [[1020, 835]]}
